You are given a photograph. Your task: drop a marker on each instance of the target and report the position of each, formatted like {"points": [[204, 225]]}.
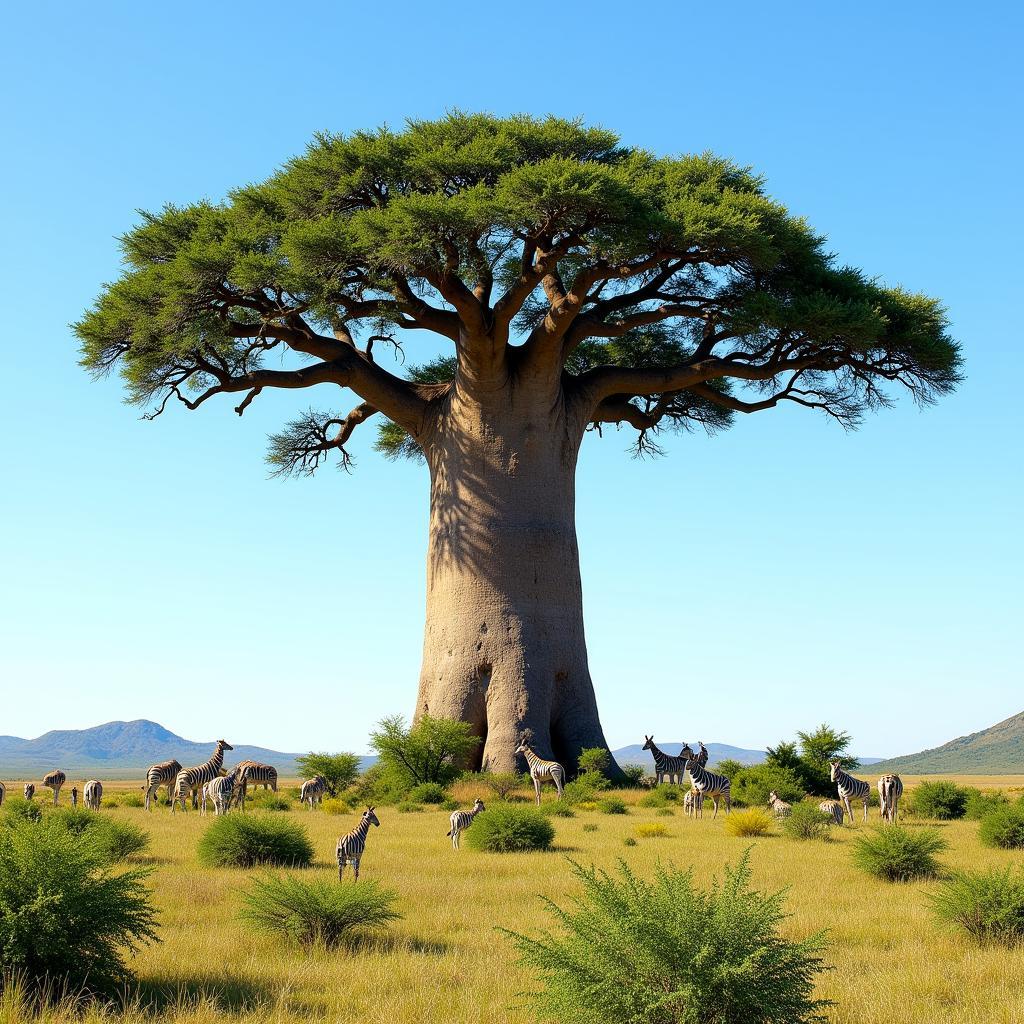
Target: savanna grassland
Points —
{"points": [[446, 960]]}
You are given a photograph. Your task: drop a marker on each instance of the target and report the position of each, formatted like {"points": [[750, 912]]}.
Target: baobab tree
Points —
{"points": [[577, 283]]}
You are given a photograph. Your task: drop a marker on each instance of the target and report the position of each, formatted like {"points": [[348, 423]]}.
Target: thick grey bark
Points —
{"points": [[504, 646]]}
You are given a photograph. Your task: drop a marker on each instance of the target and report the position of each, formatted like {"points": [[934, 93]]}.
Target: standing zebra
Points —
{"points": [[541, 770], [778, 806], [832, 809], [92, 794], [350, 847], [193, 779], [708, 784], [54, 780], [849, 787], [665, 764], [890, 789], [163, 774], [692, 802], [219, 790], [30, 790], [312, 791], [74, 796], [255, 772], [702, 755], [3, 793], [461, 820]]}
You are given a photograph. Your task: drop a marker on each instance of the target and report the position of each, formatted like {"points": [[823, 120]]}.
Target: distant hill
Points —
{"points": [[120, 749], [998, 750]]}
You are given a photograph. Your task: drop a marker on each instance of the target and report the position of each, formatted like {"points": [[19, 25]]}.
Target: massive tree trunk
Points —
{"points": [[504, 646]]}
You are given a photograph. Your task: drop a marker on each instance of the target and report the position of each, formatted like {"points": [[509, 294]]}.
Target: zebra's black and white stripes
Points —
{"points": [[709, 784], [219, 790], [778, 806], [163, 774], [702, 755], [890, 789], [312, 791], [54, 780], [351, 846], [850, 788], [832, 809], [257, 773], [461, 820], [191, 780], [30, 790], [92, 794], [665, 764], [541, 770]]}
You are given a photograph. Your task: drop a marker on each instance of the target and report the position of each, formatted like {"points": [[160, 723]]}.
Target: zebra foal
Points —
{"points": [[219, 791], [461, 820], [890, 789], [778, 806], [708, 784], [351, 846], [849, 787], [541, 770], [832, 809]]}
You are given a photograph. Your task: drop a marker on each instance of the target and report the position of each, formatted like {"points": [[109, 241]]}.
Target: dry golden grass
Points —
{"points": [[445, 962]]}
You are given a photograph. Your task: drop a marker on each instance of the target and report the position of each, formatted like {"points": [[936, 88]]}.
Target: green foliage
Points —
{"points": [[634, 775], [65, 916], [340, 770], [317, 911], [806, 822], [266, 800], [427, 793], [810, 764], [629, 841], [558, 809], [826, 744], [898, 854], [751, 786], [501, 784], [988, 905], [667, 952], [332, 805], [408, 807], [580, 791], [754, 821], [729, 767], [1004, 828], [433, 750], [116, 840], [980, 804], [17, 808], [595, 764], [248, 840], [612, 805], [510, 828], [132, 800], [941, 800]]}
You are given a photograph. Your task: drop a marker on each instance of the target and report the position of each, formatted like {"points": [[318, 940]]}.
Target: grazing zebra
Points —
{"points": [[778, 806], [30, 790], [163, 774], [461, 820], [312, 791], [850, 787], [702, 755], [708, 784], [350, 847], [255, 772], [74, 796], [665, 764], [832, 809], [54, 780], [219, 791], [92, 794], [890, 789], [3, 793], [193, 779], [541, 770]]}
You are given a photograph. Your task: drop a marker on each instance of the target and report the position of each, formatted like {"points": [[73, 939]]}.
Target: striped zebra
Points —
{"points": [[54, 780], [692, 802], [832, 809], [702, 755], [192, 780], [219, 791], [350, 847], [849, 787], [708, 784], [778, 806], [541, 770], [312, 791], [890, 789], [74, 796], [30, 790], [163, 774], [92, 794], [461, 820], [257, 773], [665, 764], [3, 793]]}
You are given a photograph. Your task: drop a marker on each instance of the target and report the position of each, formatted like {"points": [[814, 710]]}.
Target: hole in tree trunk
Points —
{"points": [[478, 714]]}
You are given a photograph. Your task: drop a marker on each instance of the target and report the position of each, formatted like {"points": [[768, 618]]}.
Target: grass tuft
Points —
{"points": [[651, 830], [751, 822], [612, 805]]}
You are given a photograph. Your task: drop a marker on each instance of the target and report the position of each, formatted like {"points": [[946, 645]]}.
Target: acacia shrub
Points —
{"points": [[899, 854], [248, 840], [510, 828], [941, 800], [806, 822], [979, 804], [751, 786], [988, 905], [1004, 828]]}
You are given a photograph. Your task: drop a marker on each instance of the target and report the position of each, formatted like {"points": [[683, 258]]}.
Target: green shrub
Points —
{"points": [[941, 800], [317, 910], [116, 840], [899, 854], [511, 828], [17, 808], [667, 952], [501, 784], [980, 804], [558, 809], [612, 805], [431, 750], [1004, 828], [754, 821], [806, 822], [634, 775], [595, 765], [629, 841], [751, 786], [448, 804], [651, 830], [587, 805], [67, 919], [665, 812], [427, 793], [729, 767], [989, 905], [132, 799], [589, 827], [332, 805], [246, 840], [267, 800], [581, 790], [408, 807]]}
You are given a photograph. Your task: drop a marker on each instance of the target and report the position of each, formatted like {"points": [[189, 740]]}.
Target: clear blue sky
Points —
{"points": [[748, 585]]}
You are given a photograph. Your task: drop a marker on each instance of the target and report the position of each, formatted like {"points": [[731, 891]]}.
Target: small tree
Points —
{"points": [[825, 744], [730, 767], [595, 766], [501, 784], [340, 770], [433, 750], [752, 785]]}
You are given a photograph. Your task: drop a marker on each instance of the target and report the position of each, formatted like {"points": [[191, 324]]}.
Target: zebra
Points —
{"points": [[193, 779], [692, 802], [832, 809], [541, 770], [708, 784], [92, 794], [312, 791], [890, 789], [778, 806], [3, 793], [163, 774], [74, 796], [461, 820], [219, 791], [665, 764], [850, 787], [255, 772], [30, 790], [54, 780], [702, 755], [350, 847]]}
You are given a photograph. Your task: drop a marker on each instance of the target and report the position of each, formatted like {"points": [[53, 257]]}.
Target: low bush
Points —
{"points": [[67, 919], [267, 800], [448, 804], [665, 812], [581, 790], [247, 840], [408, 807], [17, 808], [1004, 828], [595, 765], [427, 793], [751, 822], [989, 905], [558, 809], [317, 910], [501, 784], [587, 805], [115, 840], [511, 828], [612, 805], [751, 786], [898, 854], [651, 830], [941, 800], [806, 822], [132, 799], [668, 952], [629, 841], [980, 804], [589, 827], [634, 775], [332, 805]]}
